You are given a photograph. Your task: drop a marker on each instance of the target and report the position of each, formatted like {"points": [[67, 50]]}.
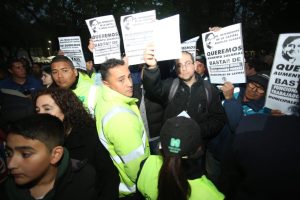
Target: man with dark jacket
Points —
{"points": [[152, 114], [190, 96]]}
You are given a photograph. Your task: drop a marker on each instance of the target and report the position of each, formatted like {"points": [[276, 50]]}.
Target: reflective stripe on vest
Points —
{"points": [[92, 99], [133, 154], [126, 189]]}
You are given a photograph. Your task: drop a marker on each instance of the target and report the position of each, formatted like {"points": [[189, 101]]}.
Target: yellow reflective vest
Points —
{"points": [[121, 131], [201, 188], [87, 92]]}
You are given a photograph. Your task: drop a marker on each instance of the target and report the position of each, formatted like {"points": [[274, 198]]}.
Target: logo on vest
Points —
{"points": [[174, 146]]}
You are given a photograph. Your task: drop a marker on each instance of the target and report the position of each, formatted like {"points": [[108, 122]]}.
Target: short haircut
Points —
{"points": [[46, 128], [61, 58], [110, 63], [14, 60], [188, 53]]}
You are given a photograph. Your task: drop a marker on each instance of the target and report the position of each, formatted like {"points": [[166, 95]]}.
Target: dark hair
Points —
{"points": [[256, 63], [184, 52], [108, 64], [172, 182], [75, 114], [14, 60], [61, 58], [46, 128], [201, 58], [46, 68]]}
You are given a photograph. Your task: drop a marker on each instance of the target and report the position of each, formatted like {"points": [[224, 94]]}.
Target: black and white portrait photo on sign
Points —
{"points": [[282, 91], [94, 24], [210, 40], [291, 48]]}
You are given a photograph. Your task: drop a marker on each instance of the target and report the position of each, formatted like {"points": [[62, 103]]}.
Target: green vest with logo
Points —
{"points": [[147, 183]]}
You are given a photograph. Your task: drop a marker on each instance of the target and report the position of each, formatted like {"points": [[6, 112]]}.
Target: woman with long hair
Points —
{"points": [[81, 136], [177, 173]]}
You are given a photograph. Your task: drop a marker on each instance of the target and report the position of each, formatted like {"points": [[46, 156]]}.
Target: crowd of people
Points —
{"points": [[66, 133]]}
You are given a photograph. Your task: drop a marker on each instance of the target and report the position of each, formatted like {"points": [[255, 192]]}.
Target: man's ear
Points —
{"points": [[76, 71], [56, 154], [105, 83]]}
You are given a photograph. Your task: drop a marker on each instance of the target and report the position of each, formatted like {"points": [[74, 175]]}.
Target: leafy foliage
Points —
{"points": [[29, 24]]}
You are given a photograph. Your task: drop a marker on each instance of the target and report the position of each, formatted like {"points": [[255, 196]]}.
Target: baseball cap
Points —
{"points": [[180, 136], [262, 78], [201, 58]]}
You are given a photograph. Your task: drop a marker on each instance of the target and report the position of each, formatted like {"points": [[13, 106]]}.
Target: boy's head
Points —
{"points": [[34, 147]]}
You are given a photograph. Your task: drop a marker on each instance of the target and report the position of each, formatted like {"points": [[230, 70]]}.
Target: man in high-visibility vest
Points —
{"points": [[65, 75], [120, 126]]}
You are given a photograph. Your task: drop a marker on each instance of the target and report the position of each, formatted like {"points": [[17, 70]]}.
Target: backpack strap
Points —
{"points": [[207, 87], [173, 89]]}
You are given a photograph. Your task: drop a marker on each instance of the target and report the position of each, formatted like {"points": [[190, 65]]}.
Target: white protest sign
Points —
{"points": [[190, 46], [167, 39], [106, 38], [71, 46], [137, 33], [225, 54], [282, 89]]}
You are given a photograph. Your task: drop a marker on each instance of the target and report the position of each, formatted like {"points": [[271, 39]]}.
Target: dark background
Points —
{"points": [[29, 25]]}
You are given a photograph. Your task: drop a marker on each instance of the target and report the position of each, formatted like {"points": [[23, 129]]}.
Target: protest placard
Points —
{"points": [[190, 46], [106, 38], [137, 33], [285, 74], [167, 39], [225, 54], [71, 46]]}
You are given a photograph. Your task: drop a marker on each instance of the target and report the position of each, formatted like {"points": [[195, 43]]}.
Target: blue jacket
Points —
{"points": [[31, 84], [236, 109]]}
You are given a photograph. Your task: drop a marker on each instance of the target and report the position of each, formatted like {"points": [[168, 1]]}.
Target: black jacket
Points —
{"points": [[75, 180], [84, 144], [263, 160], [192, 100]]}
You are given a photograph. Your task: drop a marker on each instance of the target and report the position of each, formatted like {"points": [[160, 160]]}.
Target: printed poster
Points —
{"points": [[106, 38], [137, 33], [71, 46], [225, 54], [282, 89]]}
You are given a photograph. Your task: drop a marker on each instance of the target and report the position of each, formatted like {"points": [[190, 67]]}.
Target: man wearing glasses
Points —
{"points": [[246, 100], [190, 96]]}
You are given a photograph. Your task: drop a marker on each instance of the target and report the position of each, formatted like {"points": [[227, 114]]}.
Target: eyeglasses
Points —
{"points": [[187, 64], [256, 87]]}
